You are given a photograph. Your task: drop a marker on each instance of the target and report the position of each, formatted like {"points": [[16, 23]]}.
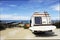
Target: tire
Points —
{"points": [[50, 31], [39, 32]]}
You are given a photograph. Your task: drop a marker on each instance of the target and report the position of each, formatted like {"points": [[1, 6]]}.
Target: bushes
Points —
{"points": [[11, 25], [57, 24], [2, 26], [20, 25], [27, 25]]}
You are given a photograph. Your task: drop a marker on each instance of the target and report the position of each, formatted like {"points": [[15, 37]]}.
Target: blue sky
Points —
{"points": [[23, 9]]}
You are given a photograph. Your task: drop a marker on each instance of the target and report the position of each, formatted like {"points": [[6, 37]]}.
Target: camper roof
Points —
{"points": [[40, 13]]}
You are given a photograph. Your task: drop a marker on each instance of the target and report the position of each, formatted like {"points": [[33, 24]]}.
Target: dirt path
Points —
{"points": [[21, 33]]}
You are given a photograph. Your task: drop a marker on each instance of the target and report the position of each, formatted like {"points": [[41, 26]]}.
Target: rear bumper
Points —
{"points": [[42, 28]]}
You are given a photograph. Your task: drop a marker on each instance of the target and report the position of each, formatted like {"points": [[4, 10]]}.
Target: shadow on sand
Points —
{"points": [[45, 34]]}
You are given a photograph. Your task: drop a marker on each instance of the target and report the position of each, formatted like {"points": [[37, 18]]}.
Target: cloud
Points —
{"points": [[36, 1], [4, 9], [13, 17], [55, 7], [1, 9], [55, 18], [12, 5], [45, 2]]}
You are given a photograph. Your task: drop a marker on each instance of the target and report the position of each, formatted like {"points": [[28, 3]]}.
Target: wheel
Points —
{"points": [[50, 31]]}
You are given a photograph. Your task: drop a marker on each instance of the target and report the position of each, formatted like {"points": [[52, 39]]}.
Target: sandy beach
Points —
{"points": [[21, 33]]}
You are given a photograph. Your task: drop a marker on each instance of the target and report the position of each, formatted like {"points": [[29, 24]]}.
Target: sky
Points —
{"points": [[23, 9]]}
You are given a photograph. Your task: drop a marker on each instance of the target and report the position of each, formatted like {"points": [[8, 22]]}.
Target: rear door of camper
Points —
{"points": [[38, 20]]}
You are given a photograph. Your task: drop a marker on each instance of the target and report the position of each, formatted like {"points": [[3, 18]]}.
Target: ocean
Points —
{"points": [[17, 21]]}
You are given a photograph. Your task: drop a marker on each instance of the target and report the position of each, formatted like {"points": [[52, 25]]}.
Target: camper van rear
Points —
{"points": [[41, 22]]}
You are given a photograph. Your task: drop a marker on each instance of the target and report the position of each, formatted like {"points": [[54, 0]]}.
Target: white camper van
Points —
{"points": [[41, 22]]}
